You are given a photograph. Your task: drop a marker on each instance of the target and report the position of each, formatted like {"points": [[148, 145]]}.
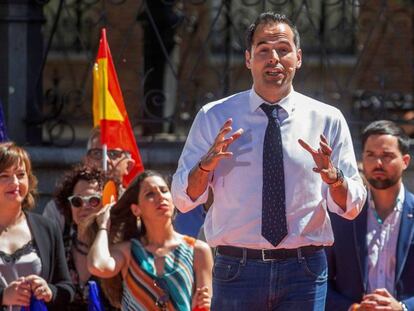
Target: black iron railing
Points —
{"points": [[174, 56]]}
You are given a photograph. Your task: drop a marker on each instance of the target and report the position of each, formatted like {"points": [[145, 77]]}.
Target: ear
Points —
{"points": [[299, 58], [136, 210], [247, 58], [406, 159], [130, 165]]}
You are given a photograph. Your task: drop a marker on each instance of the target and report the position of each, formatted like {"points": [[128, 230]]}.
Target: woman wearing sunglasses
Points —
{"points": [[32, 258], [159, 268], [78, 198]]}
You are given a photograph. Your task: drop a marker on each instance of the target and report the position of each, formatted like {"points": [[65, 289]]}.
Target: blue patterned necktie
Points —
{"points": [[274, 225]]}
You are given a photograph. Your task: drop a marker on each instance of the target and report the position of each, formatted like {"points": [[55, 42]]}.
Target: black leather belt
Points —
{"points": [[267, 254]]}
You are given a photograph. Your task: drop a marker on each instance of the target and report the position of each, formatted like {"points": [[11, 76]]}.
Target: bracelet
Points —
{"points": [[106, 229], [339, 179], [354, 307], [203, 169]]}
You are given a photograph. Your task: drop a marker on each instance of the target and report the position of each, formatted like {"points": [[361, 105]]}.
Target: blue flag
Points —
{"points": [[35, 305], [3, 132], [94, 303]]}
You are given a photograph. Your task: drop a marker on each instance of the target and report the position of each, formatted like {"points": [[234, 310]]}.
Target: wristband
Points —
{"points": [[106, 229], [203, 169]]}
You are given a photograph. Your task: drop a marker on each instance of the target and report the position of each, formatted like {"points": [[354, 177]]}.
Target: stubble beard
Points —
{"points": [[382, 184]]}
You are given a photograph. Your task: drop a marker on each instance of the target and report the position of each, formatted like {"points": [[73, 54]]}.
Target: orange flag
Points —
{"points": [[109, 111]]}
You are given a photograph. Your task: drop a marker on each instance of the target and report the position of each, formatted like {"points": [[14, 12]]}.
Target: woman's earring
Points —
{"points": [[139, 223]]}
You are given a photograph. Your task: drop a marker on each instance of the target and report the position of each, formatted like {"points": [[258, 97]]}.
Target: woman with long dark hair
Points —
{"points": [[137, 244]]}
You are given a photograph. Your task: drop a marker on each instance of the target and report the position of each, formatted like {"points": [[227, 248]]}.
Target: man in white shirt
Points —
{"points": [[272, 180], [371, 265]]}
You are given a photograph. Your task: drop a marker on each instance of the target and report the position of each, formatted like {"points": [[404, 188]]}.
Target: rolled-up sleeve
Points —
{"points": [[198, 142], [355, 200], [343, 157]]}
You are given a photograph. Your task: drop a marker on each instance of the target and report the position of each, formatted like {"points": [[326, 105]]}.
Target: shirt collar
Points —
{"points": [[286, 102], [400, 199]]}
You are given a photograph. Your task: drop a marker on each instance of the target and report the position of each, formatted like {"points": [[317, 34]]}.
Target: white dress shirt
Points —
{"points": [[235, 215], [382, 239]]}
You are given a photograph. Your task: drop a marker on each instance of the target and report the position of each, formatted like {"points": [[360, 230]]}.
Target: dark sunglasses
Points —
{"points": [[162, 300], [89, 200], [113, 154]]}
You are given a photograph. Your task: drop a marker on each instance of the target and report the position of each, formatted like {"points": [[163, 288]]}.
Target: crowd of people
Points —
{"points": [[292, 222]]}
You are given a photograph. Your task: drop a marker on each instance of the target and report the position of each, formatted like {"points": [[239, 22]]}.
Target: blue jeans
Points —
{"points": [[292, 284]]}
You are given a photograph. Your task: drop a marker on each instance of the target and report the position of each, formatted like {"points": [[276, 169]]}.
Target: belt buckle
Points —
{"points": [[264, 256]]}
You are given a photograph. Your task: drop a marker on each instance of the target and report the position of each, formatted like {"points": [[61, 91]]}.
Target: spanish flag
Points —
{"points": [[109, 111]]}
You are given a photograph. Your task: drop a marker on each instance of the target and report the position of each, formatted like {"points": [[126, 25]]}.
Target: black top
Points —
{"points": [[81, 299]]}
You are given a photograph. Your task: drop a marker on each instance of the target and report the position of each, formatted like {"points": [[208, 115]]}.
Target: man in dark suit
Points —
{"points": [[371, 264]]}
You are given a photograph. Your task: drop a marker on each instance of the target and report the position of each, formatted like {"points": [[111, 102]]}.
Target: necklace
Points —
{"points": [[79, 250], [379, 220], [17, 221], [80, 246]]}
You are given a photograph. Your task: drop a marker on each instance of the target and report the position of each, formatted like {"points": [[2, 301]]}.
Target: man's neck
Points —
{"points": [[273, 96], [385, 200]]}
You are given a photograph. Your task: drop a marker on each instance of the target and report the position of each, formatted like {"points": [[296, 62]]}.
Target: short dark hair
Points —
{"points": [[385, 127], [271, 18]]}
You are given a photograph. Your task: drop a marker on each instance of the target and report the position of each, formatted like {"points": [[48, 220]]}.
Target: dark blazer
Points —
{"points": [[48, 240], [347, 259]]}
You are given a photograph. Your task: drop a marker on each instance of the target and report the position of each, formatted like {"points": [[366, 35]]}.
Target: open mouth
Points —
{"points": [[274, 72]]}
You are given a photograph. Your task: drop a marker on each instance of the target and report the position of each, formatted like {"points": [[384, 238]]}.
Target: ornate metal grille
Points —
{"points": [[174, 56]]}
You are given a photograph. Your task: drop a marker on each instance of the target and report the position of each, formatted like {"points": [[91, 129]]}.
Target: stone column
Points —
{"points": [[21, 52]]}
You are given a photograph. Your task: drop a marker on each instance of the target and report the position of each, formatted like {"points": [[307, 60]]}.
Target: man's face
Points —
{"points": [[383, 162], [273, 60], [119, 162]]}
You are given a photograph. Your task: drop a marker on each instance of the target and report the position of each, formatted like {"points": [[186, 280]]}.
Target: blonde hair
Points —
{"points": [[11, 155]]}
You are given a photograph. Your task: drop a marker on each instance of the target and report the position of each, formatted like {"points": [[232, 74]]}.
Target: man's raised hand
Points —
{"points": [[219, 148], [322, 158]]}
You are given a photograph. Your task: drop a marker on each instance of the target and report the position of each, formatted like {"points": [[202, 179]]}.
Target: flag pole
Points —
{"points": [[103, 102], [110, 113]]}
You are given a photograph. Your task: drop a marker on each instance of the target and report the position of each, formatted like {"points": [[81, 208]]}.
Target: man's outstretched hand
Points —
{"points": [[322, 158], [219, 148]]}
